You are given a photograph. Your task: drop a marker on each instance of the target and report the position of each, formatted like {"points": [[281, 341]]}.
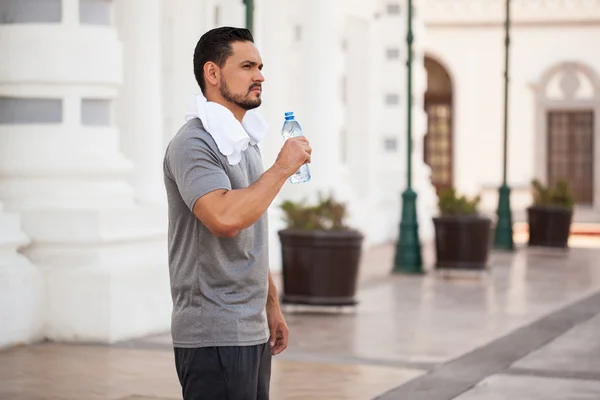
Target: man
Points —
{"points": [[226, 320]]}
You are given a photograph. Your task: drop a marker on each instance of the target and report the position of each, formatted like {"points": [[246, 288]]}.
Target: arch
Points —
{"points": [[432, 56], [438, 140], [567, 134], [439, 81], [567, 66]]}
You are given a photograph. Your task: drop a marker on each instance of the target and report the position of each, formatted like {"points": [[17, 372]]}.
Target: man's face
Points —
{"points": [[241, 77]]}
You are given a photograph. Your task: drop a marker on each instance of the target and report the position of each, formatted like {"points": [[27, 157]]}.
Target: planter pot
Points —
{"points": [[320, 267], [462, 242], [549, 226]]}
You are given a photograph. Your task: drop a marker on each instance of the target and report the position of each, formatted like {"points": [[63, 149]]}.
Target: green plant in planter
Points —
{"points": [[460, 224], [451, 204], [560, 195], [320, 255], [327, 214]]}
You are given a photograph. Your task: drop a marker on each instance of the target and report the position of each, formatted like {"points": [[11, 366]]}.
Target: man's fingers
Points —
{"points": [[273, 338], [282, 342], [300, 139]]}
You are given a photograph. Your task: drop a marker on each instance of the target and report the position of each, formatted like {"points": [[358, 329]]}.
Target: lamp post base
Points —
{"points": [[408, 247], [503, 237]]}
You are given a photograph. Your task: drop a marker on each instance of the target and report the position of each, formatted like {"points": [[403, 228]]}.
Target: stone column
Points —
{"points": [[319, 87], [139, 105], [103, 257], [184, 22], [270, 20]]}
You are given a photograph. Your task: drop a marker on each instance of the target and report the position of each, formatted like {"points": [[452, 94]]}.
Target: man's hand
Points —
{"points": [[294, 153], [278, 328]]}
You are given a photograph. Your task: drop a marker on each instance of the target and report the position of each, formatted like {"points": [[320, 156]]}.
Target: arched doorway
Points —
{"points": [[438, 139]]}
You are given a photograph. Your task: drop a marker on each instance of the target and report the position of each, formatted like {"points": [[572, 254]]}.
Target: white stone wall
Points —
{"points": [[102, 256], [468, 39]]}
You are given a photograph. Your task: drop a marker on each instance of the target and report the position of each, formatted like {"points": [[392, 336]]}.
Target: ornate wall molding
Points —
{"points": [[523, 12]]}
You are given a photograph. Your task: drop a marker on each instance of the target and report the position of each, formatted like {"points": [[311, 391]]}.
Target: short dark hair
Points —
{"points": [[215, 46]]}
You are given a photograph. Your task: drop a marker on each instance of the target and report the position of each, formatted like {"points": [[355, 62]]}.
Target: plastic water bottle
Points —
{"points": [[291, 128]]}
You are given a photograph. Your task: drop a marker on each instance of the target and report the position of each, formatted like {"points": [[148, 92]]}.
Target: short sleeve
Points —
{"points": [[196, 169]]}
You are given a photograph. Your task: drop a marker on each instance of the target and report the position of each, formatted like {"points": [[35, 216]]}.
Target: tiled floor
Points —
{"points": [[500, 387], [97, 372], [577, 352], [403, 326]]}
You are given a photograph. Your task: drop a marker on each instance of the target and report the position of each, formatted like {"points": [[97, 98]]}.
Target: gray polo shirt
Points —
{"points": [[219, 286]]}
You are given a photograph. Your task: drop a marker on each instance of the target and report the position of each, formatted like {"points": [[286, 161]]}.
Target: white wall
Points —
{"points": [[474, 57], [390, 122]]}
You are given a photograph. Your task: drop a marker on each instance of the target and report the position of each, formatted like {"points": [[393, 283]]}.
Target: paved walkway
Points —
{"points": [[527, 329]]}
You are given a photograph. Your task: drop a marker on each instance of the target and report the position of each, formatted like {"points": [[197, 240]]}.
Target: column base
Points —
{"points": [[124, 294], [21, 288], [108, 278], [21, 301]]}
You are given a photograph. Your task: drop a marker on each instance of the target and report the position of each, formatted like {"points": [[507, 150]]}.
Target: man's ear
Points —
{"points": [[211, 73]]}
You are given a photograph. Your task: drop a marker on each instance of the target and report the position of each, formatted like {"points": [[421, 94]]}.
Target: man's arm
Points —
{"points": [[277, 326], [272, 299], [226, 212]]}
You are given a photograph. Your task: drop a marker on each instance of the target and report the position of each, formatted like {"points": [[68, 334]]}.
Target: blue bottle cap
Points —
{"points": [[289, 114]]}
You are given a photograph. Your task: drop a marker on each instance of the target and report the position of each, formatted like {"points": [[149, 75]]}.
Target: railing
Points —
{"points": [[467, 12]]}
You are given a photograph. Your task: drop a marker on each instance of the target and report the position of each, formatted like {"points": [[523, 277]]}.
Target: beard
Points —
{"points": [[238, 99]]}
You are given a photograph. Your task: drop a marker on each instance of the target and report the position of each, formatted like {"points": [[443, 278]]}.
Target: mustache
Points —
{"points": [[255, 85]]}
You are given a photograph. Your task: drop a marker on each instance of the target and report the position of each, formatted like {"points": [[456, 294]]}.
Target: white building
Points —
{"points": [[91, 91], [554, 97]]}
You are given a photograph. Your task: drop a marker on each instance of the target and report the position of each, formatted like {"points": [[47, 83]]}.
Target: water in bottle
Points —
{"points": [[291, 128]]}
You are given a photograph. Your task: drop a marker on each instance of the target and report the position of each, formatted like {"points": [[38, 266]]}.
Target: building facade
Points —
{"points": [[91, 92], [553, 105]]}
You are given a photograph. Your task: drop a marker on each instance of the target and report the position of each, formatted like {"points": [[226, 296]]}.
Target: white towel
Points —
{"points": [[231, 136]]}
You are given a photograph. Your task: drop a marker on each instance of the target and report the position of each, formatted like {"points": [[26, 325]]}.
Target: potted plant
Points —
{"points": [[550, 216], [462, 236], [320, 254]]}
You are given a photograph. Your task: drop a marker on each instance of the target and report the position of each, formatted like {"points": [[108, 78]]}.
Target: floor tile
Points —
{"points": [[576, 351], [500, 387]]}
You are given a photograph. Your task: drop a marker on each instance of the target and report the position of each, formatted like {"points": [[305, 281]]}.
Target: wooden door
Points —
{"points": [[571, 152]]}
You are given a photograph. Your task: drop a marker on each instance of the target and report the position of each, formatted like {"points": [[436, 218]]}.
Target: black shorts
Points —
{"points": [[224, 373]]}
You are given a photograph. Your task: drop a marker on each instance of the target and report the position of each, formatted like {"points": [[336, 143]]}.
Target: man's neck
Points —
{"points": [[236, 110]]}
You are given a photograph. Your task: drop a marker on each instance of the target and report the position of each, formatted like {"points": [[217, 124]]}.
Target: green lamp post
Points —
{"points": [[503, 237], [249, 14], [408, 247]]}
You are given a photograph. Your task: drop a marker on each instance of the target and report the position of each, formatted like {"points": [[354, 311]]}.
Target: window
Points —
{"points": [[344, 146], [392, 99], [30, 11], [393, 9], [94, 12], [393, 53], [438, 143], [15, 110], [298, 33], [217, 15], [95, 112], [390, 145]]}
